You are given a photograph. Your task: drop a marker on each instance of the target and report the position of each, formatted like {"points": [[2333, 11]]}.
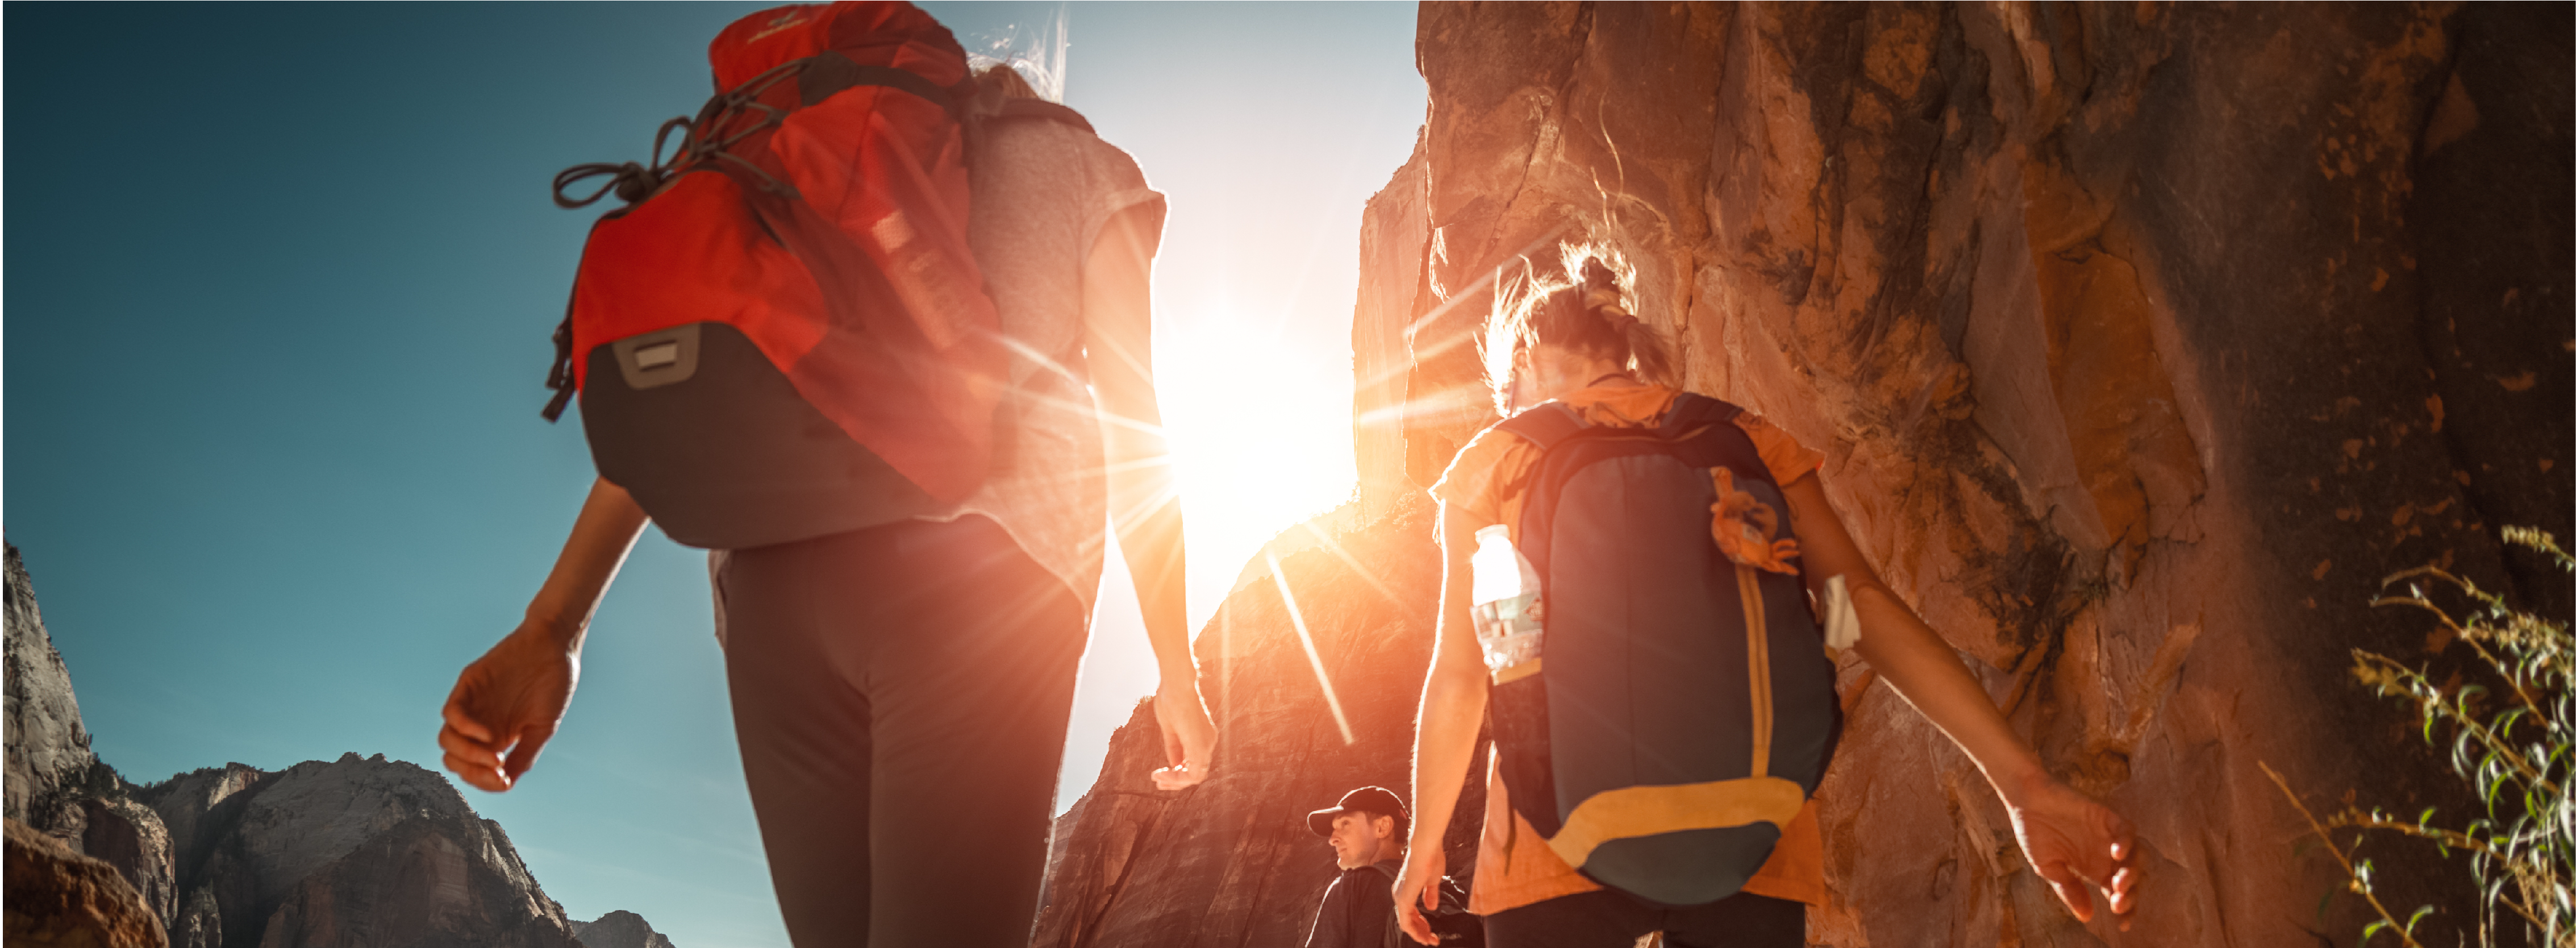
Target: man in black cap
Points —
{"points": [[1367, 832]]}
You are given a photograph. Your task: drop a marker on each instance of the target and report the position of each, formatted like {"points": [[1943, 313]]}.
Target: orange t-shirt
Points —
{"points": [[1488, 481]]}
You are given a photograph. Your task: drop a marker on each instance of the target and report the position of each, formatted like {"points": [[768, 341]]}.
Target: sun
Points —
{"points": [[1259, 427]]}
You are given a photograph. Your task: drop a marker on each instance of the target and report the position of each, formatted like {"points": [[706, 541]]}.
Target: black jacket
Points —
{"points": [[1358, 909]]}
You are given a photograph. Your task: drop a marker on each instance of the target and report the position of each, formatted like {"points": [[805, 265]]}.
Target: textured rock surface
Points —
{"points": [[1230, 862], [55, 784], [48, 747], [358, 851], [620, 929], [58, 897], [2141, 341]]}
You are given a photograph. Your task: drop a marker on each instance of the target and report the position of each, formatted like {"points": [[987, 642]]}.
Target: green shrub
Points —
{"points": [[2510, 740]]}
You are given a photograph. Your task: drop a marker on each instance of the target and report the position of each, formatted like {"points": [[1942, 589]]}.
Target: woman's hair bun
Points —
{"points": [[1601, 287], [1598, 276]]}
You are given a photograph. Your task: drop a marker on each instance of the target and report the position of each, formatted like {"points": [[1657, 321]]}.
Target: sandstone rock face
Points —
{"points": [[620, 929], [58, 897], [2141, 340], [1230, 862]]}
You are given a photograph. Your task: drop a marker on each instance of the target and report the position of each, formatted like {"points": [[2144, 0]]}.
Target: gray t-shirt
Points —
{"points": [[1042, 192]]}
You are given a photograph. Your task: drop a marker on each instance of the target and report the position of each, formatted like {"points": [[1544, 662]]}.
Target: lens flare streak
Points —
{"points": [[1298, 620]]}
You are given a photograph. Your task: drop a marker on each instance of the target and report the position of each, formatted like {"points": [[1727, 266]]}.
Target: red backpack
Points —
{"points": [[783, 333]]}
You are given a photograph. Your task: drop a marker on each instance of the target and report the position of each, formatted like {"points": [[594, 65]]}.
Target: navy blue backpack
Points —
{"points": [[1684, 708]]}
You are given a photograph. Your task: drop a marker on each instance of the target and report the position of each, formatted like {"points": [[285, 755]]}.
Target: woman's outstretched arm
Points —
{"points": [[507, 704], [1444, 734], [1144, 504], [2072, 841]]}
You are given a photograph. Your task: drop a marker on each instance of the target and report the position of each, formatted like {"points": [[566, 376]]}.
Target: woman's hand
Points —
{"points": [[1188, 736], [505, 707], [1417, 889], [2076, 844]]}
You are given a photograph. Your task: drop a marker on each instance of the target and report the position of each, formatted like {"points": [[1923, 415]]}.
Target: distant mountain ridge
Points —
{"points": [[360, 850]]}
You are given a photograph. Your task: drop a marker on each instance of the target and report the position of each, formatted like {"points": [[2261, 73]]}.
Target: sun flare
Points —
{"points": [[1259, 427]]}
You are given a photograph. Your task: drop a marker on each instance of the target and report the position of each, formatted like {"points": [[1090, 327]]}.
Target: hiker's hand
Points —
{"points": [[1417, 890], [1189, 738], [506, 706], [2077, 845]]}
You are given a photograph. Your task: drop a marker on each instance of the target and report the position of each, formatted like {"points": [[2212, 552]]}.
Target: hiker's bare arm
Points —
{"points": [[1444, 733], [1117, 319], [2073, 841], [507, 704]]}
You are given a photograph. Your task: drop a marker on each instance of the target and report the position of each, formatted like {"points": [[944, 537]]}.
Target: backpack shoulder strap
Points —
{"points": [[1043, 110], [1690, 410], [829, 72], [1391, 935], [1545, 424]]}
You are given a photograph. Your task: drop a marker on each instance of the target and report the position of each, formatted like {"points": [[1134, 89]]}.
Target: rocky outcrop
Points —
{"points": [[357, 850], [620, 929], [58, 897], [2141, 340], [354, 851], [48, 748], [55, 785], [1230, 862]]}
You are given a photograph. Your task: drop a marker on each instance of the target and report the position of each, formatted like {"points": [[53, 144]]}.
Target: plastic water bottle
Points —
{"points": [[1504, 601]]}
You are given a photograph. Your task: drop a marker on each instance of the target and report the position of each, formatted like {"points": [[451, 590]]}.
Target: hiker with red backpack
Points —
{"points": [[878, 335], [1630, 602]]}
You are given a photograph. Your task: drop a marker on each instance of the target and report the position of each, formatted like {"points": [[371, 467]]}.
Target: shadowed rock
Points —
{"points": [[59, 897]]}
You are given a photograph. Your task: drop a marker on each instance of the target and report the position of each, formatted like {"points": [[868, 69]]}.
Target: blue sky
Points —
{"points": [[279, 284]]}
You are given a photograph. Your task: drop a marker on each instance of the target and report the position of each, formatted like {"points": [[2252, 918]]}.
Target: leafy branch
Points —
{"points": [[2512, 743]]}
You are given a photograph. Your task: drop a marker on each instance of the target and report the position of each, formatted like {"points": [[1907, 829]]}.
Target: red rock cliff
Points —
{"points": [[2141, 340]]}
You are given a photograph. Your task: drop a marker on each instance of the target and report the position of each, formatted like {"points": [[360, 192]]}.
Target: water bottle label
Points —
{"points": [[1507, 630]]}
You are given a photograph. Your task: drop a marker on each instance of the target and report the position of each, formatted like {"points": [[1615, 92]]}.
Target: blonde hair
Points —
{"points": [[1584, 309]]}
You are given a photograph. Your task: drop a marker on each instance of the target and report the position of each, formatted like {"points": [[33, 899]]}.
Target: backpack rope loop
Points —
{"points": [[631, 182], [706, 139]]}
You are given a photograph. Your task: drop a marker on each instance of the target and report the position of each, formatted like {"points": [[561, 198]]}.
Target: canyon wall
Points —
{"points": [[2142, 340]]}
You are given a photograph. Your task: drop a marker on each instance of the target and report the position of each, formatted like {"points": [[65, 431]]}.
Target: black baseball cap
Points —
{"points": [[1377, 800]]}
